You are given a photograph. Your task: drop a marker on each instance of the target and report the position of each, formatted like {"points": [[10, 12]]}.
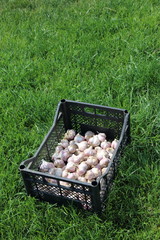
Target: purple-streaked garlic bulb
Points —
{"points": [[58, 149], [88, 135], [114, 143], [78, 158], [72, 175], [98, 166], [56, 155], [89, 151], [101, 153], [104, 162], [65, 154], [82, 168], [64, 143], [59, 163], [45, 166], [96, 172], [94, 141], [72, 148], [71, 158], [101, 137], [70, 134], [78, 138], [105, 144], [70, 167], [82, 145], [89, 175], [92, 161]]}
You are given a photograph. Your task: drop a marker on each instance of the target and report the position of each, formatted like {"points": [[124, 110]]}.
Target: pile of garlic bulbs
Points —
{"points": [[82, 158]]}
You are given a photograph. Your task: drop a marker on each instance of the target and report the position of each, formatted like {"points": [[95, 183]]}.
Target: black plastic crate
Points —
{"points": [[80, 117]]}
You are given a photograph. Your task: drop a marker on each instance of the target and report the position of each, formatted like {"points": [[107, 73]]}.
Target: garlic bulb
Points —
{"points": [[94, 141], [45, 166], [110, 151], [79, 158], [104, 162], [88, 135], [59, 163], [65, 154], [58, 149], [71, 158], [98, 166], [101, 137], [114, 143], [96, 172], [58, 172], [65, 173], [70, 134], [101, 153], [50, 180], [66, 184], [72, 148], [92, 161], [89, 151], [64, 143], [82, 145], [82, 168], [104, 170], [70, 167], [56, 155], [82, 179], [78, 138], [89, 175], [105, 144], [72, 175]]}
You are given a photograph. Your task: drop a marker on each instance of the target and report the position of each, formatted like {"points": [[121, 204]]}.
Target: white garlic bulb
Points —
{"points": [[92, 161], [96, 172], [78, 158], [64, 143], [78, 138], [114, 143], [89, 175], [45, 166], [70, 167], [104, 162], [88, 135], [70, 134], [72, 175], [82, 145], [101, 137], [59, 163], [89, 151], [101, 153], [105, 144], [94, 141], [72, 148]]}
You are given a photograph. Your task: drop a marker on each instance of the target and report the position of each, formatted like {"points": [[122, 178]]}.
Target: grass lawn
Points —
{"points": [[96, 51]]}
